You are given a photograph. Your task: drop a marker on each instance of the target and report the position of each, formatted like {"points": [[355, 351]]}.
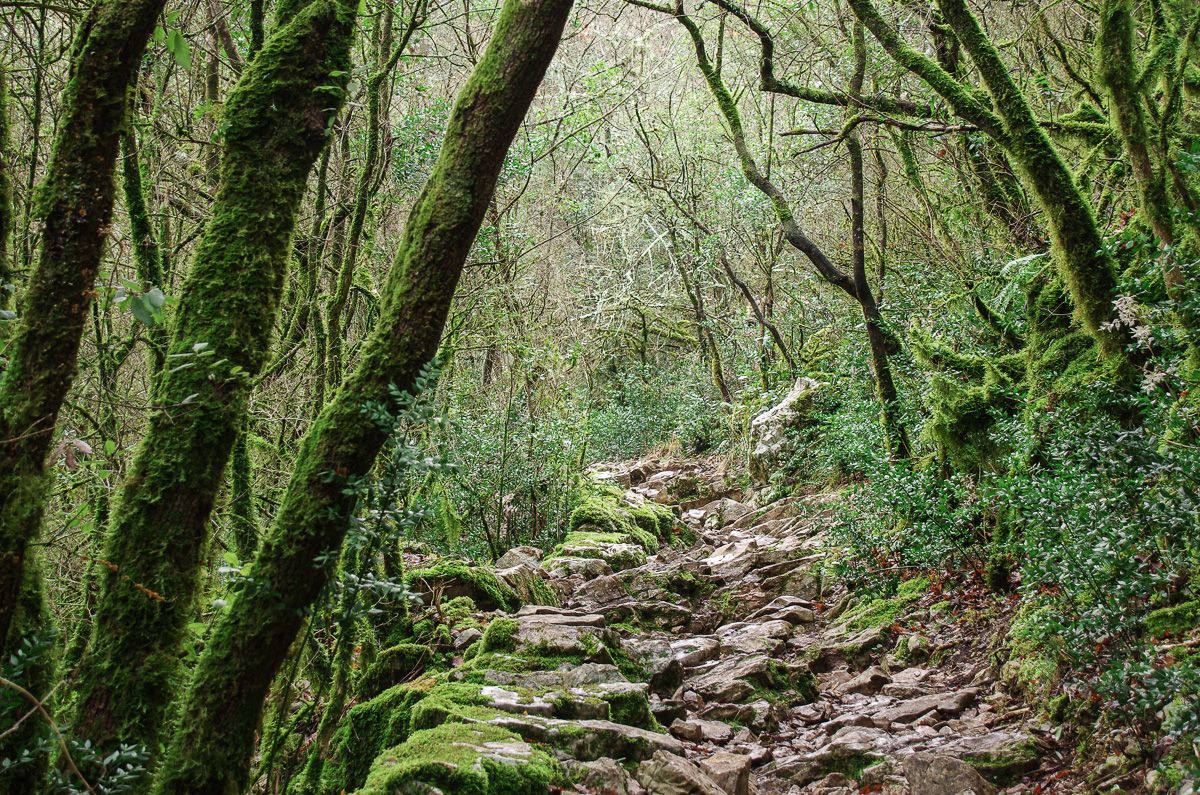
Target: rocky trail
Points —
{"points": [[712, 656]]}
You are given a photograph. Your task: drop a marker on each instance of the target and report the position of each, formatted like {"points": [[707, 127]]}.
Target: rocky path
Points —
{"points": [[724, 630]]}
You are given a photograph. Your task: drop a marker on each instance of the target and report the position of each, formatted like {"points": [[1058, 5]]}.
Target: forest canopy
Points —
{"points": [[335, 334]]}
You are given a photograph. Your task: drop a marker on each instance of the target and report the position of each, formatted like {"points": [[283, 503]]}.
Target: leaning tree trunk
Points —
{"points": [[214, 741], [1120, 74], [276, 121], [74, 208], [854, 285]]}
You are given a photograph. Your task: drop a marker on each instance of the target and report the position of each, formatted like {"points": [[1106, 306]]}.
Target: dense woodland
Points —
{"points": [[308, 304]]}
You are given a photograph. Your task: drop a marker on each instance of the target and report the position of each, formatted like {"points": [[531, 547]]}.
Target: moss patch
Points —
{"points": [[1177, 620], [456, 578], [463, 759], [393, 665], [884, 611]]}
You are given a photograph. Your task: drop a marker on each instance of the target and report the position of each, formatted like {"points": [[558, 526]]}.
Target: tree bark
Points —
{"points": [[214, 741], [1080, 255], [74, 207], [276, 122]]}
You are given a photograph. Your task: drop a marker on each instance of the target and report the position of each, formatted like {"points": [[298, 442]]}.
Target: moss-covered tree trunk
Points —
{"points": [[74, 208], [276, 123], [1081, 257], [1121, 76], [7, 285], [214, 742]]}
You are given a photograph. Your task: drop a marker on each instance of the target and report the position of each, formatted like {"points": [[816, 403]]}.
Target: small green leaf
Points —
{"points": [[177, 45]]}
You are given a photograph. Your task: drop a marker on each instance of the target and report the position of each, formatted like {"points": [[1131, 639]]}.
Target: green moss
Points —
{"points": [[1177, 620], [460, 612], [392, 666], [1004, 765], [632, 708], [463, 759], [619, 550], [607, 512], [500, 635], [479, 583], [365, 732], [451, 702], [532, 588], [884, 611]]}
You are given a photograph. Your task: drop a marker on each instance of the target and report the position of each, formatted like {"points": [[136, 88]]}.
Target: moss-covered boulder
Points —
{"points": [[466, 759], [448, 579], [608, 511], [368, 729], [885, 611], [530, 584], [392, 666], [619, 550]]}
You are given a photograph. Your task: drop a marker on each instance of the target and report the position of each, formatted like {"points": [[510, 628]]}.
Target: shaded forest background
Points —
{"points": [[975, 228]]}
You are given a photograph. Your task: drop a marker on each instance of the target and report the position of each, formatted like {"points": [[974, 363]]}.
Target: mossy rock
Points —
{"points": [[619, 550], [608, 512], [530, 585], [452, 702], [456, 578], [466, 759], [368, 729], [1177, 620], [392, 666], [1005, 764], [884, 611]]}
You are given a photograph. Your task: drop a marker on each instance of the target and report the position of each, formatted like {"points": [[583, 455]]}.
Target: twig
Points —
{"points": [[62, 742]]}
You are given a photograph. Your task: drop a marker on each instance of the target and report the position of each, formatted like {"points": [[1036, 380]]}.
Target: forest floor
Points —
{"points": [[767, 677]]}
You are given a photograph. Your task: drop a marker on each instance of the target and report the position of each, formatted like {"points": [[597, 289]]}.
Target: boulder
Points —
{"points": [[773, 431], [730, 772], [929, 774], [586, 567], [665, 774], [519, 556], [590, 739], [702, 731]]}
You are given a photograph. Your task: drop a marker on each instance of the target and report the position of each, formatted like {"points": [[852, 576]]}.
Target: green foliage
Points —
{"points": [[392, 666], [637, 409]]}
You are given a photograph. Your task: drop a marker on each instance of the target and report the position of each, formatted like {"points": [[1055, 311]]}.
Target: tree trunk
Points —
{"points": [[214, 741], [276, 123], [1082, 261], [7, 278], [74, 207]]}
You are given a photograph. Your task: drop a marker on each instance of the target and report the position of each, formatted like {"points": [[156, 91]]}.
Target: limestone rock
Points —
{"points": [[519, 556], [665, 774], [731, 772], [590, 739], [603, 776], [928, 774], [586, 567], [771, 432], [702, 731]]}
